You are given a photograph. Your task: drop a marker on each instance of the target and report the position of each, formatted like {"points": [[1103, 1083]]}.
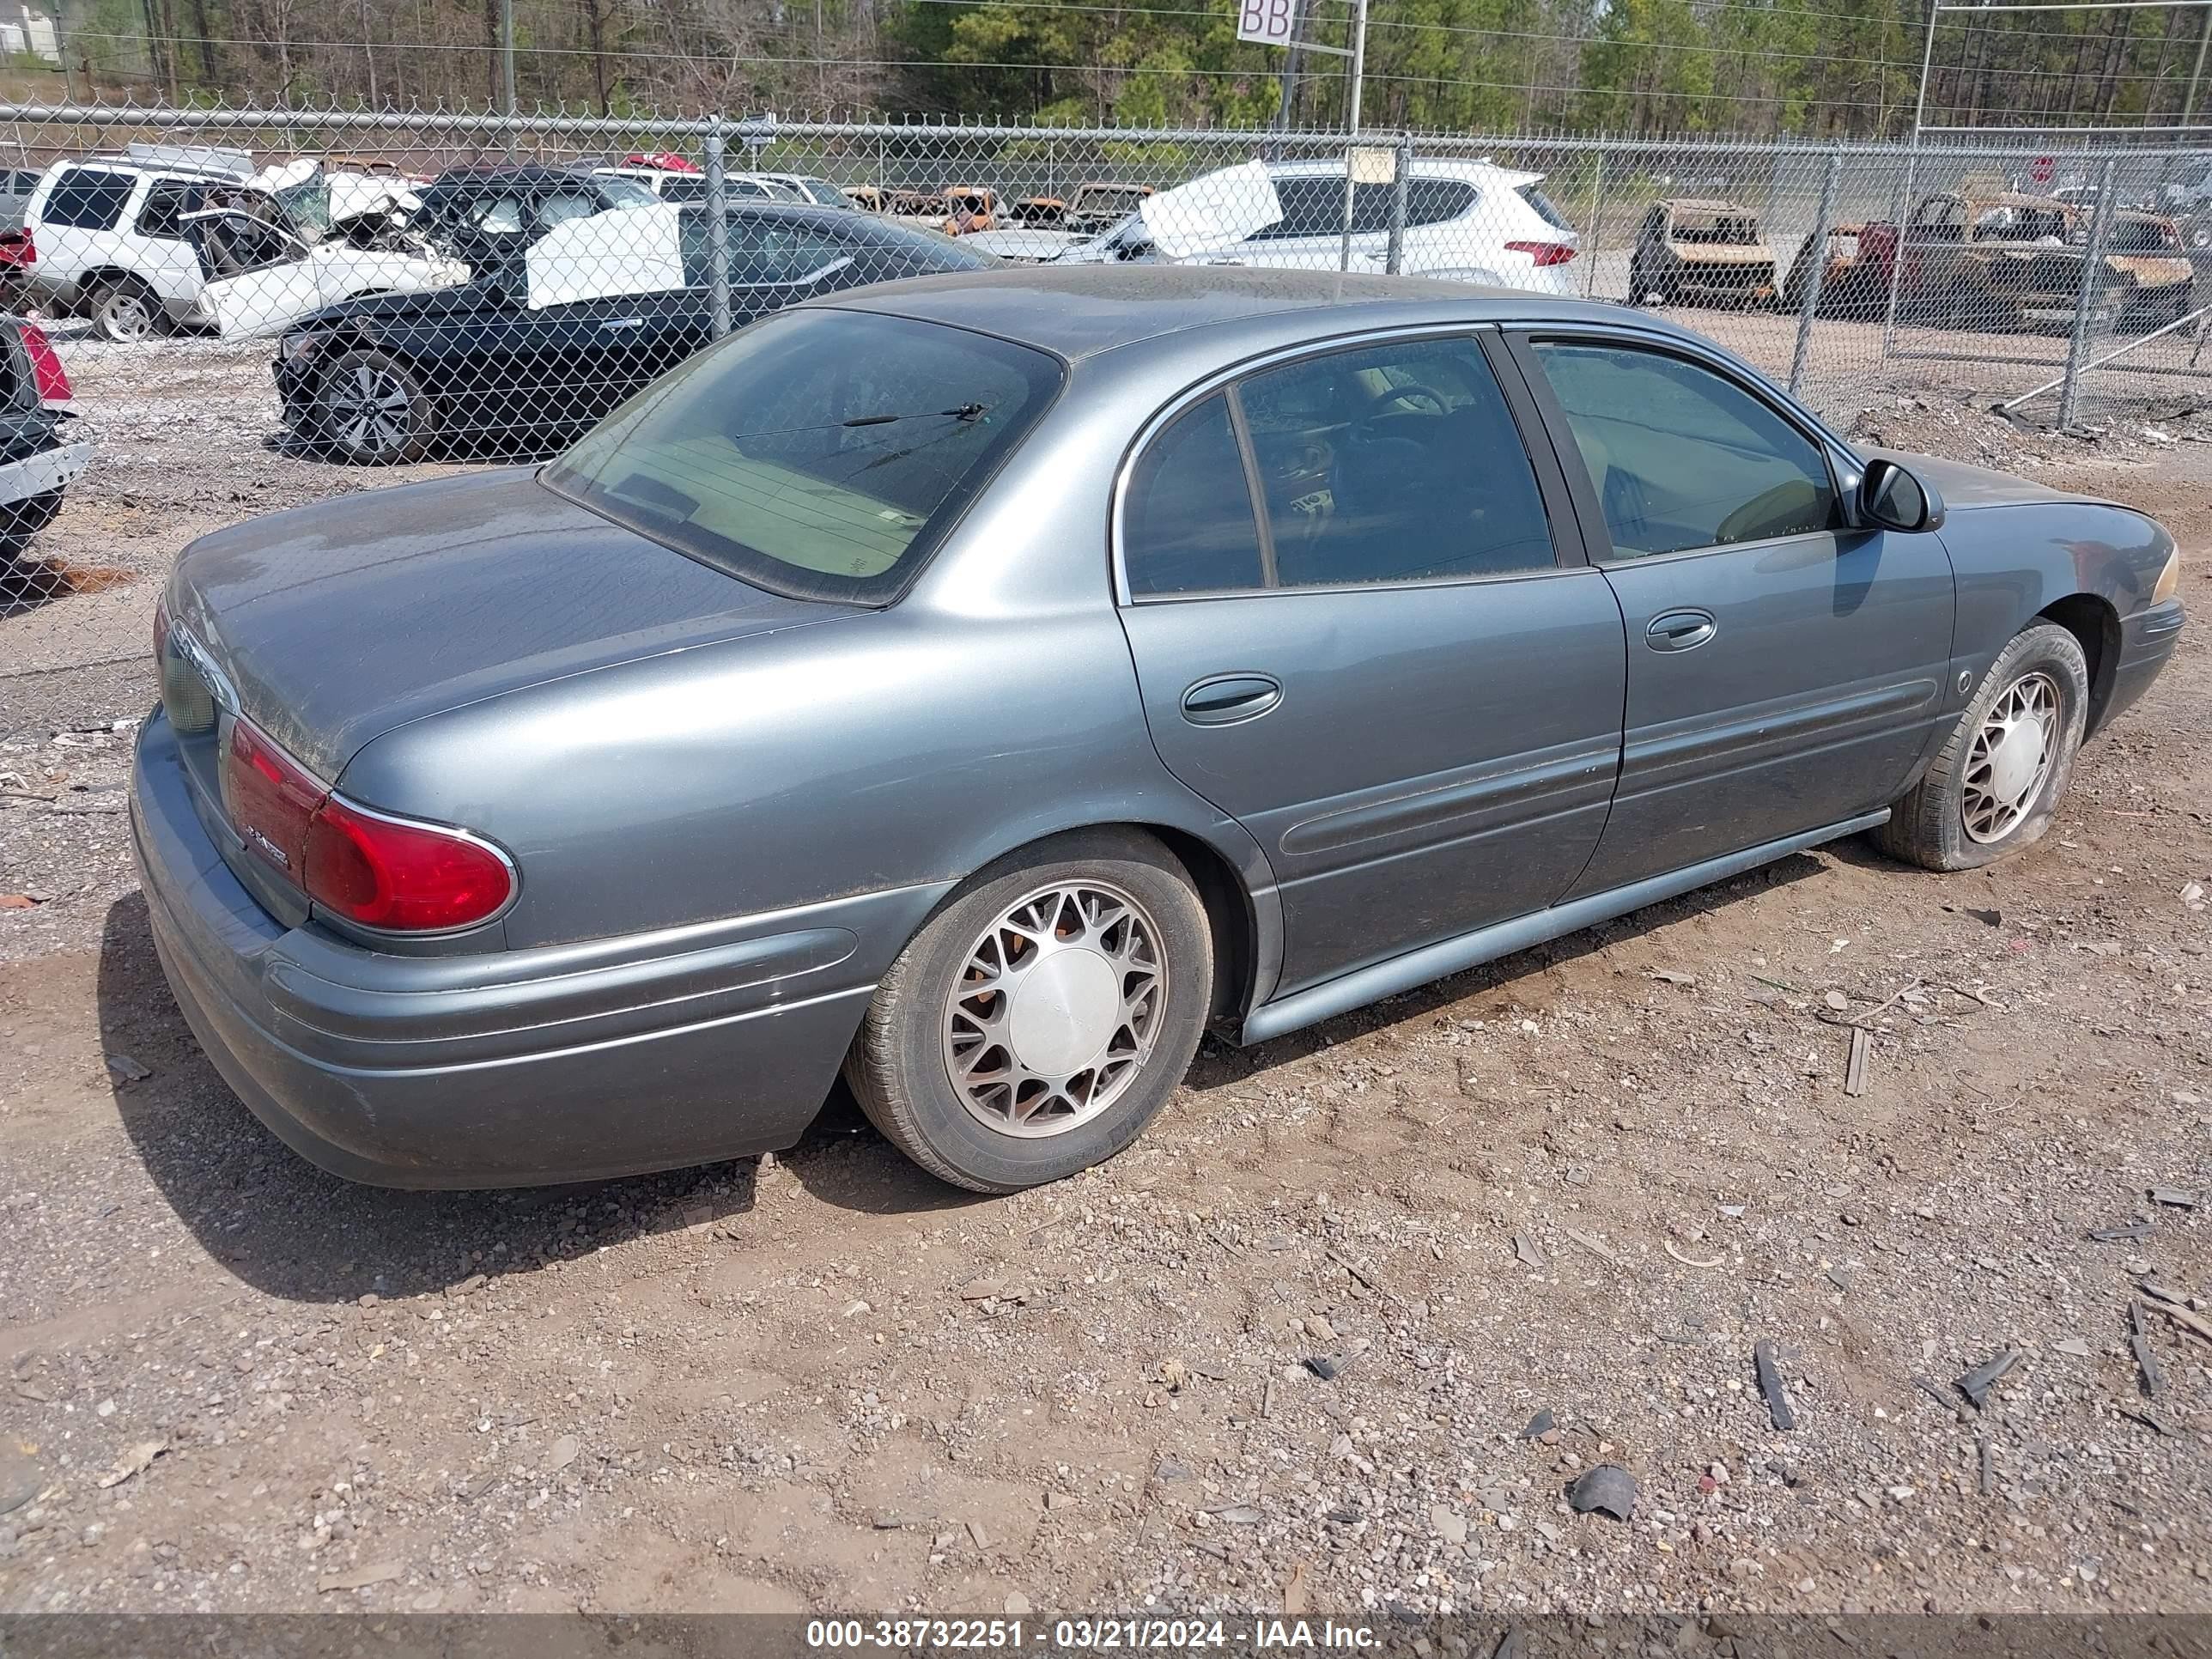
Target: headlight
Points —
{"points": [[2169, 580]]}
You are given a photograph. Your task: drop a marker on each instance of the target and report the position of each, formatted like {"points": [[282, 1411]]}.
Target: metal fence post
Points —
{"points": [[1398, 193], [2077, 345], [1816, 250], [718, 235], [1597, 229]]}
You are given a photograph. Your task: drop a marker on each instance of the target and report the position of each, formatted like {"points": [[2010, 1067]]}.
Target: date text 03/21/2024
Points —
{"points": [[1088, 1635]]}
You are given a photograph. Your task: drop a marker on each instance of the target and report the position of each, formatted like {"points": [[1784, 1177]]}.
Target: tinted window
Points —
{"points": [[88, 199], [1312, 207], [165, 205], [617, 191], [564, 205], [821, 453], [1187, 523], [763, 250], [823, 195], [1433, 201], [1683, 457], [684, 190], [1396, 463]]}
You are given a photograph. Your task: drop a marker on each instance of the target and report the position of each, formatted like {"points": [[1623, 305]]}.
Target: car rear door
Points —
{"points": [[1362, 627], [1785, 672]]}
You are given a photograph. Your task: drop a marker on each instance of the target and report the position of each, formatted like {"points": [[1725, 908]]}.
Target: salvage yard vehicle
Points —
{"points": [[1695, 251], [1098, 207], [981, 685], [39, 457], [113, 237], [1474, 220], [488, 214], [532, 352], [2004, 261]]}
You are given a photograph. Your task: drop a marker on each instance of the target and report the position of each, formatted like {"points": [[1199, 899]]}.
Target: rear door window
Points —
{"points": [[165, 204], [1187, 522], [88, 199]]}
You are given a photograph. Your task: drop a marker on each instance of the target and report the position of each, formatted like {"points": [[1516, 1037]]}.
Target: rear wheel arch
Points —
{"points": [[2095, 623]]}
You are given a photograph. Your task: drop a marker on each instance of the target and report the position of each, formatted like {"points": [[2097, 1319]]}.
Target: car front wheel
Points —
{"points": [[1992, 789], [123, 311], [371, 408], [1043, 1017]]}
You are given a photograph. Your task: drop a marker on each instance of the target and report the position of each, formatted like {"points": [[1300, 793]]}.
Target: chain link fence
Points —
{"points": [[368, 289]]}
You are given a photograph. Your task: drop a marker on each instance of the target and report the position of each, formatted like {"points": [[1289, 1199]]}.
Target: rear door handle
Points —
{"points": [[1225, 699], [1681, 630]]}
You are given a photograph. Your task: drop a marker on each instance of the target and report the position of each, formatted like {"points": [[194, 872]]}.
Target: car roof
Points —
{"points": [[1424, 166], [1081, 311], [503, 172]]}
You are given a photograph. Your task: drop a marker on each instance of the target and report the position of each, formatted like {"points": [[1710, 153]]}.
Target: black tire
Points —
{"points": [[1928, 826], [21, 520], [124, 310], [371, 408], [900, 1062]]}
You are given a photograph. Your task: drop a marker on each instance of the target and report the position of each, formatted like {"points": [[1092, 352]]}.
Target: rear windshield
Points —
{"points": [[1546, 208], [821, 454]]}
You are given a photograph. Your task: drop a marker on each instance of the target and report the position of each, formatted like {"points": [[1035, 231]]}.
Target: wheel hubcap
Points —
{"points": [[1055, 1010], [2010, 757], [369, 411], [126, 316]]}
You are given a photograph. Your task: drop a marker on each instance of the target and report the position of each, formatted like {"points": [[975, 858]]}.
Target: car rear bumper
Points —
{"points": [[43, 472], [2146, 640], [511, 1067]]}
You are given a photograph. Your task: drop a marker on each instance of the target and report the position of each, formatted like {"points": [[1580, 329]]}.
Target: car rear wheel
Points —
{"points": [[1992, 789], [371, 409], [125, 311], [21, 520], [1044, 1017]]}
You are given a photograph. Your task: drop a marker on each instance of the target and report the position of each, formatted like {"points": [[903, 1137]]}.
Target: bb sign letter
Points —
{"points": [[1267, 21]]}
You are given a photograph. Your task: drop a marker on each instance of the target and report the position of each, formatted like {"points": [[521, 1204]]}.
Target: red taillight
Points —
{"points": [[383, 873], [46, 371], [368, 867], [1545, 253], [17, 250]]}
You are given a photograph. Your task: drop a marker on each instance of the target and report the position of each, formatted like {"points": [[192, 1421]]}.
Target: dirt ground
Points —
{"points": [[1586, 1181]]}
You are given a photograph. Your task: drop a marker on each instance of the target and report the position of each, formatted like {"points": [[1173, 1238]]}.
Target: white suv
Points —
{"points": [[127, 240], [1474, 220]]}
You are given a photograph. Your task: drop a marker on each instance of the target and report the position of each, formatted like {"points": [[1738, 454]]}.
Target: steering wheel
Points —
{"points": [[1410, 397]]}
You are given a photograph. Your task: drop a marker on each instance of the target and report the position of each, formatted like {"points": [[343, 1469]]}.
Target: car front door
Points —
{"points": [[1786, 672], [1357, 631]]}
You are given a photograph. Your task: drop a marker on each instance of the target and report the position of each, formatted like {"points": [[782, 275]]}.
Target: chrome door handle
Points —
{"points": [[1225, 699], [1681, 630]]}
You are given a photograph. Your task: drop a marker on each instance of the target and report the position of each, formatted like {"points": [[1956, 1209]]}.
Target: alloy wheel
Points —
{"points": [[1055, 1010], [125, 316], [2010, 757], [370, 410]]}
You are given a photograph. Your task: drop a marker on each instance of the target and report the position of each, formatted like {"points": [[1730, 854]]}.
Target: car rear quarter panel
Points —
{"points": [[897, 748]]}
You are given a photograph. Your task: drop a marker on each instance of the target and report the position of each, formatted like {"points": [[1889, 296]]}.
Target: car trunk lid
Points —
{"points": [[452, 592]]}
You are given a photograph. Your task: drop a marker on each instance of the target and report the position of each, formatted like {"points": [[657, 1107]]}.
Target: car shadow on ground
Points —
{"points": [[290, 1231]]}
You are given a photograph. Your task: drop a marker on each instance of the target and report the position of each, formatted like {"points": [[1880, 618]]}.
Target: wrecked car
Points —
{"points": [[40, 456], [1700, 251], [1098, 206], [525, 356], [2005, 261]]}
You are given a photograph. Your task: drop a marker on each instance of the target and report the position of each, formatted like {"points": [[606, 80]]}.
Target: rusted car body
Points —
{"points": [[2006, 261], [1098, 206], [1701, 251]]}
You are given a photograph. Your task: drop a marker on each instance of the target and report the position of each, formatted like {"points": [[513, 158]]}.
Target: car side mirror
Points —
{"points": [[1891, 498]]}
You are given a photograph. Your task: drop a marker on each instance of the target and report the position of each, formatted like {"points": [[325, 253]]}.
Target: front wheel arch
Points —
{"points": [[2095, 623]]}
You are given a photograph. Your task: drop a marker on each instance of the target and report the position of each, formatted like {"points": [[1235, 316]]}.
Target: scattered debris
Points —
{"points": [[1668, 976], [1239, 1515], [978, 1533], [981, 1289], [1525, 1251], [1770, 1385], [2071, 1345], [2194, 1324], [1605, 1489], [2131, 1232], [127, 1070], [1323, 1366], [562, 1453], [1593, 1243], [1855, 1069], [1987, 1458], [1539, 1425], [1977, 1383], [136, 1462], [16, 901], [2149, 1420], [1690, 1261], [2172, 1198], [1297, 1593], [383, 1572], [2153, 1380]]}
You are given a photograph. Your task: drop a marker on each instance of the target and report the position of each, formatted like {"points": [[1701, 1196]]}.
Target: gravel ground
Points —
{"points": [[1585, 1181]]}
